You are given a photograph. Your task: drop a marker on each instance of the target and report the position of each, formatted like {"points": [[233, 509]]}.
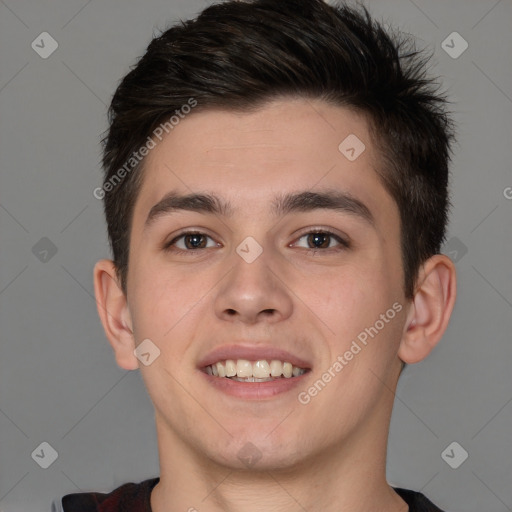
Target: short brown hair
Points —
{"points": [[237, 55]]}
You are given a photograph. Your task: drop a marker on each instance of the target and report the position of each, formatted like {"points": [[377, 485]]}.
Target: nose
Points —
{"points": [[253, 292]]}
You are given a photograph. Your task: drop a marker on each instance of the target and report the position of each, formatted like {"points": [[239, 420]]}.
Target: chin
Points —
{"points": [[256, 450]]}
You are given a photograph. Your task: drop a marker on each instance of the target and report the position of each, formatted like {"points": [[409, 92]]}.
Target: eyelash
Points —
{"points": [[168, 247]]}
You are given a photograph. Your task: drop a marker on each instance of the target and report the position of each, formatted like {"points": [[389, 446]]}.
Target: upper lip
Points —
{"points": [[251, 353]]}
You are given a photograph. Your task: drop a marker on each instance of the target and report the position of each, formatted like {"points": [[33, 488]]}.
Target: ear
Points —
{"points": [[430, 310], [114, 314]]}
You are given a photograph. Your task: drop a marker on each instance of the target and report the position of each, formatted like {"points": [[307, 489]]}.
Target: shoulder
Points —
{"points": [[417, 502], [129, 497]]}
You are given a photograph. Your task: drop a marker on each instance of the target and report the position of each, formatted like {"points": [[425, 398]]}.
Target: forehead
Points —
{"points": [[287, 145]]}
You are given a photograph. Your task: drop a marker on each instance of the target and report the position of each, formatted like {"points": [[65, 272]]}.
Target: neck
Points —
{"points": [[348, 476]]}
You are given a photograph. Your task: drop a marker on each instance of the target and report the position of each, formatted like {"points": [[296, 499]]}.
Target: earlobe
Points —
{"points": [[114, 314], [430, 310]]}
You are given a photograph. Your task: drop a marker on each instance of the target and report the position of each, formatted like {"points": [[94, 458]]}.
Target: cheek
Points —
{"points": [[352, 302], [163, 300]]}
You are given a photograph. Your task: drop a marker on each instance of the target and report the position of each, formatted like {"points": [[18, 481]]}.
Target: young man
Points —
{"points": [[276, 198]]}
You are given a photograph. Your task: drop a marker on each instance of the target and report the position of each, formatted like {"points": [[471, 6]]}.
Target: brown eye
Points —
{"points": [[189, 241], [319, 240], [322, 240], [195, 241]]}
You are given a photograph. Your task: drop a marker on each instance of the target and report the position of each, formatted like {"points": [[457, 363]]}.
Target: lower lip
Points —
{"points": [[254, 390]]}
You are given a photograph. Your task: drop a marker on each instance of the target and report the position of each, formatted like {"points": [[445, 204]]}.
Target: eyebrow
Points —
{"points": [[281, 205]]}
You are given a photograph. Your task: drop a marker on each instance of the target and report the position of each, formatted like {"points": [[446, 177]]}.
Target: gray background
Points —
{"points": [[58, 378]]}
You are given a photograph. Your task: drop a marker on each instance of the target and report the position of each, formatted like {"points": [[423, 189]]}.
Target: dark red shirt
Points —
{"points": [[136, 498]]}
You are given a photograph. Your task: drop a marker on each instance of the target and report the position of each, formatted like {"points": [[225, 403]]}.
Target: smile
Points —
{"points": [[262, 370]]}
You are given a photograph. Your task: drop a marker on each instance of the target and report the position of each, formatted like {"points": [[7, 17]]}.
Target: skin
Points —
{"points": [[326, 454]]}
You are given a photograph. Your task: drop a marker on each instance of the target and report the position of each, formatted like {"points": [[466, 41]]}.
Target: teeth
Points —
{"points": [[258, 371], [243, 368], [276, 368], [252, 379], [230, 368], [221, 370], [261, 370]]}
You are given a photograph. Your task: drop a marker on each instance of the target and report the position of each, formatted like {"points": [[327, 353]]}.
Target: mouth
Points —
{"points": [[253, 372], [262, 370]]}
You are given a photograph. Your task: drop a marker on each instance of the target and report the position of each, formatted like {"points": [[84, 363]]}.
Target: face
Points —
{"points": [[297, 260]]}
